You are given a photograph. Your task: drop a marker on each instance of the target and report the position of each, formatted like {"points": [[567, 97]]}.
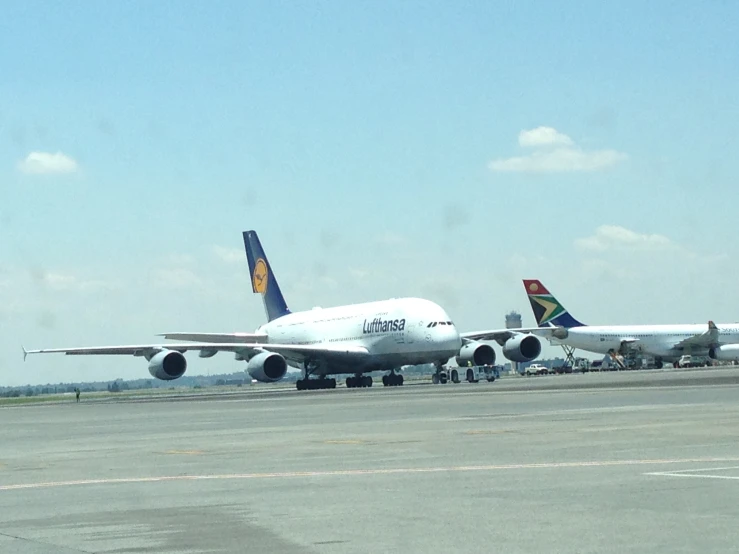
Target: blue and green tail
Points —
{"points": [[548, 311]]}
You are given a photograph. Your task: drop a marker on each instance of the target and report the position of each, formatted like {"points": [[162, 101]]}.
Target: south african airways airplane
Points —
{"points": [[355, 339], [664, 342]]}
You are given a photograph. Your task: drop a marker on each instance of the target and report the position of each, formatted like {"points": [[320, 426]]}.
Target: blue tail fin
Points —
{"points": [[262, 278], [547, 309]]}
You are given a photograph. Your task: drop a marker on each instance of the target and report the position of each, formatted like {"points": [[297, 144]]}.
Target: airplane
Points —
{"points": [[664, 342], [356, 339]]}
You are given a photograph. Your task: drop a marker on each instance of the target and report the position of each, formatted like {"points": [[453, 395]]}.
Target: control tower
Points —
{"points": [[513, 320]]}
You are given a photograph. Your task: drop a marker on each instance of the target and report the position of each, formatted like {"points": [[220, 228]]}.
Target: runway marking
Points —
{"points": [[360, 472], [697, 473], [185, 452], [347, 441]]}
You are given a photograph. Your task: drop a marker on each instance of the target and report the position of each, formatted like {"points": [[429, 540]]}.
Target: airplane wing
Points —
{"points": [[217, 337], [707, 339], [295, 352], [502, 335]]}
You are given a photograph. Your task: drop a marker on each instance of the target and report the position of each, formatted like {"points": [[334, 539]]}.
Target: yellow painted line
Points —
{"points": [[362, 472]]}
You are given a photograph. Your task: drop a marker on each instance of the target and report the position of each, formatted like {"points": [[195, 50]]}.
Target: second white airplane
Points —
{"points": [[356, 339], [667, 343]]}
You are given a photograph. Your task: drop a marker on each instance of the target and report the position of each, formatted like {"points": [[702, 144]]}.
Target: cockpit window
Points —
{"points": [[435, 323]]}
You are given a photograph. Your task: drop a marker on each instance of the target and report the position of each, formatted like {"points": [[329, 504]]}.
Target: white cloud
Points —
{"points": [[60, 281], [67, 282], [357, 273], [560, 160], [555, 153], [229, 255], [41, 163], [543, 136], [614, 237], [180, 259], [175, 278]]}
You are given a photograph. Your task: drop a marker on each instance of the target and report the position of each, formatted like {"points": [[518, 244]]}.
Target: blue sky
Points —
{"points": [[437, 149]]}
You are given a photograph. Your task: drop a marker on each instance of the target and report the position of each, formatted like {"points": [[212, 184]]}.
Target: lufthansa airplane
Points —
{"points": [[664, 342], [356, 339]]}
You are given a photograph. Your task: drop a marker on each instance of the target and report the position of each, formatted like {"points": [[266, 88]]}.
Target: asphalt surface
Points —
{"points": [[623, 462]]}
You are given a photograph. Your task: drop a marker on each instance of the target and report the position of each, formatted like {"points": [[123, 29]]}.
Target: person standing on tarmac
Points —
{"points": [[77, 393]]}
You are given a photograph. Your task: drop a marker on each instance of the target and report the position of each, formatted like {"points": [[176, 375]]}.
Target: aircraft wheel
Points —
{"points": [[455, 376], [386, 380], [367, 381], [443, 379], [300, 384], [400, 380], [435, 379]]}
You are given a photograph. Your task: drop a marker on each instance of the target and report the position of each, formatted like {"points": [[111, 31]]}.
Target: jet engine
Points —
{"points": [[167, 365], [476, 352], [726, 352], [267, 367], [522, 348]]}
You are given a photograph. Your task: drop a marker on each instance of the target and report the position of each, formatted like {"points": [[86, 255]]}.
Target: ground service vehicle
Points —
{"points": [[471, 374], [536, 369]]}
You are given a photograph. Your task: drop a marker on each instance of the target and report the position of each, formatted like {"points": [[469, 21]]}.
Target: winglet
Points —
{"points": [[25, 352]]}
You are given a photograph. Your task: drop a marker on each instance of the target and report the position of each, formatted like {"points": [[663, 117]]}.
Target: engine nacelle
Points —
{"points": [[726, 352], [167, 365], [267, 367], [478, 353], [522, 348]]}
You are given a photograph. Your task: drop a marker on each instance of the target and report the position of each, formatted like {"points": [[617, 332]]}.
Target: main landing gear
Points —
{"points": [[392, 379], [315, 384], [358, 381]]}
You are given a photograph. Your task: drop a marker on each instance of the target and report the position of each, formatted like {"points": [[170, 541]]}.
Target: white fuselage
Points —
{"points": [[394, 332], [655, 340]]}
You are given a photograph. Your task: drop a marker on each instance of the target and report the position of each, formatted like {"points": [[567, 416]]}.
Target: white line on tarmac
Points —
{"points": [[697, 473], [694, 475], [362, 472]]}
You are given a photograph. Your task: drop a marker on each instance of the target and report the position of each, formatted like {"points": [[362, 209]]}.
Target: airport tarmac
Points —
{"points": [[635, 462]]}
